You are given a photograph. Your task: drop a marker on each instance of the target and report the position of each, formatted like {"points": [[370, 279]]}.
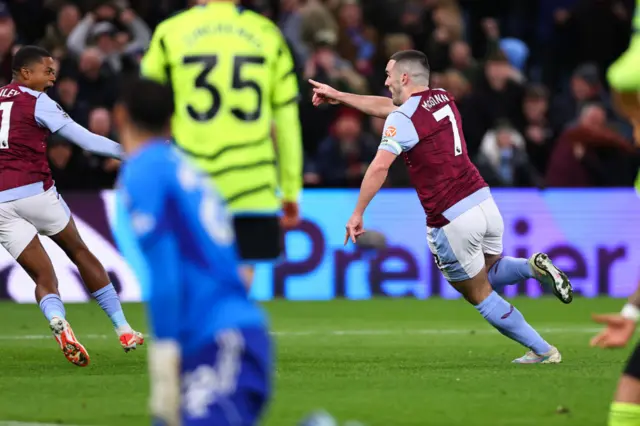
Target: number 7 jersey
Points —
{"points": [[230, 69], [427, 131]]}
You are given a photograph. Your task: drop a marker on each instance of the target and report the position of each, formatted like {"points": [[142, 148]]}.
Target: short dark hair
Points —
{"points": [[149, 104], [26, 56], [412, 55]]}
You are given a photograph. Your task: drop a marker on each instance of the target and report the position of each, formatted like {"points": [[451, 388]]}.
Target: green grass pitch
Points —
{"points": [[384, 362]]}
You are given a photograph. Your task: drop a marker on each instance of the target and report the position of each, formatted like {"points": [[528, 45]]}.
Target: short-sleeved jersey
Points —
{"points": [[175, 230], [229, 68], [27, 118], [427, 131]]}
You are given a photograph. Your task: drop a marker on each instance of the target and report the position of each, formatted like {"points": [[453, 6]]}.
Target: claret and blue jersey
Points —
{"points": [[427, 131], [174, 230], [27, 118]]}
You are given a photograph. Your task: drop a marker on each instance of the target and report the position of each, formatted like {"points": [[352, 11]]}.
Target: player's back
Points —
{"points": [[220, 58], [223, 63], [438, 163], [23, 159], [193, 236]]}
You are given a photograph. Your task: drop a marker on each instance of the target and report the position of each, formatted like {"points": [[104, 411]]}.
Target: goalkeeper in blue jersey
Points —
{"points": [[210, 359]]}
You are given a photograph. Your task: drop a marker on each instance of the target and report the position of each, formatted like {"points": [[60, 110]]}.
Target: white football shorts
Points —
{"points": [[21, 220], [459, 247]]}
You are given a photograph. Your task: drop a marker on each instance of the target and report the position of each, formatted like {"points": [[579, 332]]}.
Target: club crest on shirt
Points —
{"points": [[390, 131]]}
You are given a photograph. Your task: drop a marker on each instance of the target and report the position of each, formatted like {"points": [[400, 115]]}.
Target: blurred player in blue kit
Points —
{"points": [[210, 359]]}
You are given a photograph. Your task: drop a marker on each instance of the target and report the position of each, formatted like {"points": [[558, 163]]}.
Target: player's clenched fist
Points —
{"points": [[323, 93], [617, 333]]}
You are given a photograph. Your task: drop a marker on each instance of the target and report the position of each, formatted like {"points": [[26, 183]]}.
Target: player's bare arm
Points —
{"points": [[378, 106], [288, 137], [619, 327], [373, 180]]}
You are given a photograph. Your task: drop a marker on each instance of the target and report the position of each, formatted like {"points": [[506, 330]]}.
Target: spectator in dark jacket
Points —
{"points": [[57, 32], [96, 81], [343, 156], [498, 98], [585, 87], [575, 161], [536, 128], [7, 40], [503, 159]]}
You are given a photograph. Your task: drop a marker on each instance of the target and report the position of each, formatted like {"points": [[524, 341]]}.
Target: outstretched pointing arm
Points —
{"points": [[378, 106]]}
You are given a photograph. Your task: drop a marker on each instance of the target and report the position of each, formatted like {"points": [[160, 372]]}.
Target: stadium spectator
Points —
{"points": [[290, 24], [536, 127], [326, 66], [503, 159], [497, 97], [356, 40], [60, 153], [58, 32], [97, 81], [343, 156], [7, 40], [66, 94], [462, 61], [391, 43], [602, 47], [102, 170], [316, 18], [455, 83], [101, 28], [416, 22], [310, 176], [584, 150], [585, 87], [448, 29]]}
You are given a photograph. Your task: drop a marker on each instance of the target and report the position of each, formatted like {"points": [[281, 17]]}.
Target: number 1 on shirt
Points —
{"points": [[443, 113], [5, 112]]}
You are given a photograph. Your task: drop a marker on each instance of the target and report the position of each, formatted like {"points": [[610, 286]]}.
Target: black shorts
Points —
{"points": [[633, 364], [259, 238]]}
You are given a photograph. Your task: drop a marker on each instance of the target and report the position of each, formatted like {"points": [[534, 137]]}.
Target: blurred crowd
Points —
{"points": [[528, 77]]}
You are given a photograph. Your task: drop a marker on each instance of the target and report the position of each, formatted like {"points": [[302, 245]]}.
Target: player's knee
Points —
{"points": [[474, 290], [628, 390], [477, 295]]}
